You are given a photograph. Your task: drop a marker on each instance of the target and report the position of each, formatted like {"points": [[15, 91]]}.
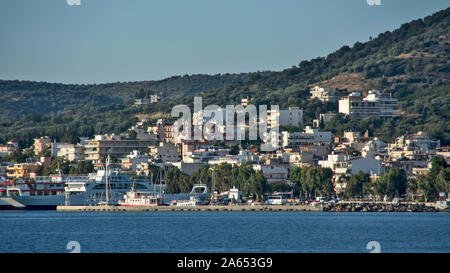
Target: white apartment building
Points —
{"points": [[70, 151], [293, 116], [308, 137], [324, 94], [376, 104]]}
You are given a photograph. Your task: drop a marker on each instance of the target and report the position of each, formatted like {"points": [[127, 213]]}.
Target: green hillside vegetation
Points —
{"points": [[30, 109], [411, 62], [18, 98]]}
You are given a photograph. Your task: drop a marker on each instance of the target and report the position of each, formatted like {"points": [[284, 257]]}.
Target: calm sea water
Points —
{"points": [[50, 231]]}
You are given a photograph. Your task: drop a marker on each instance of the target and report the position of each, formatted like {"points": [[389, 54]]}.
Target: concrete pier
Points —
{"points": [[186, 208]]}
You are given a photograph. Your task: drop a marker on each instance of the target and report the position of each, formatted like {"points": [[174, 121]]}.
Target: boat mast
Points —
{"points": [[153, 184], [160, 180], [106, 177], [213, 182]]}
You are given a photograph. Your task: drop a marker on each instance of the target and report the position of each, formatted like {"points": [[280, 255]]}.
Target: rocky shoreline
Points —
{"points": [[380, 208]]}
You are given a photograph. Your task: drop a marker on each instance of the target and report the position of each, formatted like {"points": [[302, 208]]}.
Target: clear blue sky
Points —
{"points": [[117, 40]]}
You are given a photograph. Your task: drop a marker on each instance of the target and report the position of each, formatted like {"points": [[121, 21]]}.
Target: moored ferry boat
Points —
{"points": [[40, 192], [57, 190]]}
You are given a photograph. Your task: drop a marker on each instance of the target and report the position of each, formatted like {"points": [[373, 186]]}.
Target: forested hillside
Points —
{"points": [[19, 98], [411, 62]]}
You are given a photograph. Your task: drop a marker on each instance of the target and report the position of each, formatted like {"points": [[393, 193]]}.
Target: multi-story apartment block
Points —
{"points": [[70, 151], [104, 145], [21, 170], [376, 104], [308, 137], [291, 117]]}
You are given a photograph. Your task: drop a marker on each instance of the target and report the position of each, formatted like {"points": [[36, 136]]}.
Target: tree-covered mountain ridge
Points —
{"points": [[411, 62], [29, 97]]}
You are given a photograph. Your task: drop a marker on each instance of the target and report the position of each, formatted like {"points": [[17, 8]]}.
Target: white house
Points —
{"points": [[373, 148], [323, 94], [340, 163], [273, 173]]}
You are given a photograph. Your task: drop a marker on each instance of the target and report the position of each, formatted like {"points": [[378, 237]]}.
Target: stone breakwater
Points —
{"points": [[379, 208]]}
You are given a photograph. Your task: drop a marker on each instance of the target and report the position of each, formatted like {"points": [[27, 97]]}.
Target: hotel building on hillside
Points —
{"points": [[103, 145], [376, 104]]}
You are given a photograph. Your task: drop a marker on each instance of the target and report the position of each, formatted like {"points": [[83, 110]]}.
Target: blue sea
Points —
{"points": [[51, 231]]}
